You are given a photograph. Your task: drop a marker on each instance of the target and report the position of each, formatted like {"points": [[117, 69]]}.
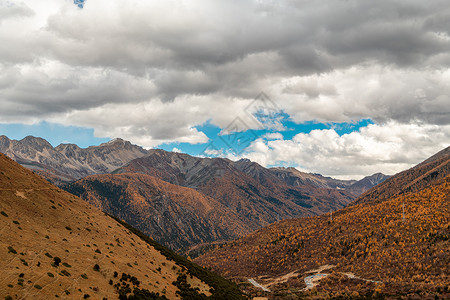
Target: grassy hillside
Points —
{"points": [[53, 244]]}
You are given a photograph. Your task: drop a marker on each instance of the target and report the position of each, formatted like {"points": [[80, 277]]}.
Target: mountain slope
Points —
{"points": [[250, 190], [55, 244], [68, 161], [372, 240], [411, 180], [183, 201], [175, 216]]}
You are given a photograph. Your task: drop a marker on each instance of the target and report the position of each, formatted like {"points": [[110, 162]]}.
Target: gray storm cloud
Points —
{"points": [[208, 47], [192, 61]]}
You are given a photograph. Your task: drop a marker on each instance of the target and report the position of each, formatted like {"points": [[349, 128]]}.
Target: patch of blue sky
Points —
{"points": [[293, 128], [218, 145], [236, 143], [79, 3], [54, 133]]}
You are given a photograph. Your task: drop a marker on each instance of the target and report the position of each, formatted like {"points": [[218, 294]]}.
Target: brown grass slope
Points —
{"points": [[410, 256], [175, 216], [53, 244]]}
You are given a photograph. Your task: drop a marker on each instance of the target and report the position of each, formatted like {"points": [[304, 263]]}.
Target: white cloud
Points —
{"points": [[147, 123], [387, 148], [273, 136]]}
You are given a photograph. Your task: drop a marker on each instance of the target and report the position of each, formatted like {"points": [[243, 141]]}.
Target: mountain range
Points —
{"points": [[181, 200], [55, 245], [243, 195], [392, 242], [68, 162]]}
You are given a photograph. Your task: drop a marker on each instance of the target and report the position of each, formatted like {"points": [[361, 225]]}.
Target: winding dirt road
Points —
{"points": [[252, 281]]}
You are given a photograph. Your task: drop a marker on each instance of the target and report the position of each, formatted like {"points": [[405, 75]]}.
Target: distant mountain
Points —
{"points": [[249, 189], [365, 184], [176, 216], [178, 168], [53, 244], [294, 177], [68, 162], [393, 242]]}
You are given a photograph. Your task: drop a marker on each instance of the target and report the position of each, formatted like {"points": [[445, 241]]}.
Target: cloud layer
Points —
{"points": [[391, 147], [151, 71]]}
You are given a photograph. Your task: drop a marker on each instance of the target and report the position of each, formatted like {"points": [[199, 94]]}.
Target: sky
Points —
{"points": [[337, 87]]}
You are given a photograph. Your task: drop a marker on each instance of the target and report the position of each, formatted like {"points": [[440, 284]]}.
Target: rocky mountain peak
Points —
{"points": [[4, 141], [37, 143], [116, 143], [244, 160], [67, 147]]}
